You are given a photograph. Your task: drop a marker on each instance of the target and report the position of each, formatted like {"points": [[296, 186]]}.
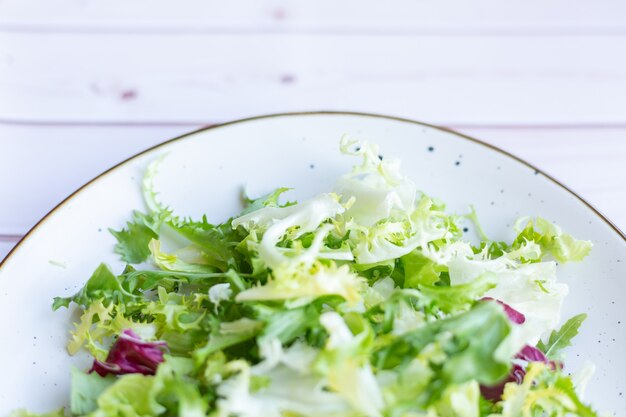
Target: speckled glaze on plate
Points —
{"points": [[205, 171]]}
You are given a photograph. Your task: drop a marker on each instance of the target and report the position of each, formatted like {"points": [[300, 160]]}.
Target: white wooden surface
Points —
{"points": [[86, 83]]}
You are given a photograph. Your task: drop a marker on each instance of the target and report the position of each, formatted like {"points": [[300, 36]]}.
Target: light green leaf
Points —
{"points": [[268, 200], [86, 388], [420, 270]]}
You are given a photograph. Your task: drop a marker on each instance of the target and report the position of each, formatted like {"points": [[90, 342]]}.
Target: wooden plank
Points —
{"points": [[196, 79], [39, 166], [558, 16]]}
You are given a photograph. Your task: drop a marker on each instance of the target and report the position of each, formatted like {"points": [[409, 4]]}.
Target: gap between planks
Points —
{"points": [[290, 29], [199, 124]]}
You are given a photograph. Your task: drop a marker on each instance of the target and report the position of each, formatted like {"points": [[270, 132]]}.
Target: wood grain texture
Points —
{"points": [[198, 79], [477, 16]]}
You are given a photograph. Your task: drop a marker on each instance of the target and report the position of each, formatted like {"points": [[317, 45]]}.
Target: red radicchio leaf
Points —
{"points": [[513, 315], [527, 354], [494, 392], [130, 355]]}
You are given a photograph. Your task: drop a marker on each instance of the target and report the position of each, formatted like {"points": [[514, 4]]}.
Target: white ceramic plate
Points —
{"points": [[204, 173]]}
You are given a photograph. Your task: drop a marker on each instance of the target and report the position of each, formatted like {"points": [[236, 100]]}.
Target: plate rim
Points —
{"points": [[89, 183]]}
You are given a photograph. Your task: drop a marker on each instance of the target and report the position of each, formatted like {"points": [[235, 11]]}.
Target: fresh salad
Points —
{"points": [[365, 301]]}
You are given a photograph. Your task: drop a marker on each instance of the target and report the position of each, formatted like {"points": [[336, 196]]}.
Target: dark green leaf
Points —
{"points": [[475, 336], [132, 241], [103, 284], [562, 338], [218, 243]]}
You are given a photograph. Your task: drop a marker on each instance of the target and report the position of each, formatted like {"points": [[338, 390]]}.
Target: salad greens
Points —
{"points": [[361, 302]]}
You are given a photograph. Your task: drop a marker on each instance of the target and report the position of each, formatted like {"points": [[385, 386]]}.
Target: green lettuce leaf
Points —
{"points": [[267, 200], [86, 388], [470, 352], [420, 270], [132, 395]]}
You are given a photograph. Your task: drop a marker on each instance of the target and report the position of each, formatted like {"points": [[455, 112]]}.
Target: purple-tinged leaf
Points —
{"points": [[130, 355]]}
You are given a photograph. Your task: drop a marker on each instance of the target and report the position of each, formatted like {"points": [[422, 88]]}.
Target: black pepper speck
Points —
{"points": [[312, 166], [465, 229], [457, 163], [431, 148]]}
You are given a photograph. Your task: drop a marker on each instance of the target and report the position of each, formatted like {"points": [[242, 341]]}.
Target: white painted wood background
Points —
{"points": [[86, 83]]}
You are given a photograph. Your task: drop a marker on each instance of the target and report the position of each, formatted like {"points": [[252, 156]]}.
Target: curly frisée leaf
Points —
{"points": [[277, 223], [344, 363], [395, 237], [543, 392], [290, 282], [377, 187], [562, 246]]}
